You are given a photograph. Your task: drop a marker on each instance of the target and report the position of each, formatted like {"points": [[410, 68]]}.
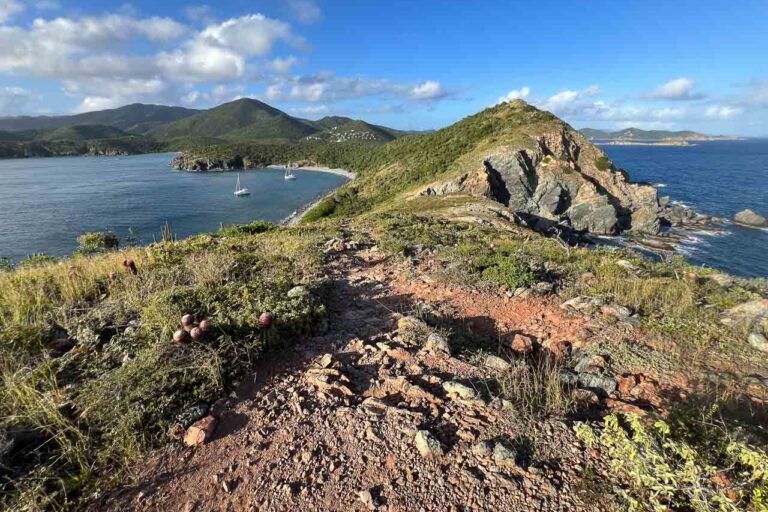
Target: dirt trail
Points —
{"points": [[359, 419]]}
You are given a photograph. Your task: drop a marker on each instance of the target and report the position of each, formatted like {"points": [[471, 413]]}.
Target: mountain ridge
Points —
{"points": [[636, 134]]}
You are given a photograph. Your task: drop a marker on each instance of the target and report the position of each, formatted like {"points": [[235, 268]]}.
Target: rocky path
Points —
{"points": [[364, 418]]}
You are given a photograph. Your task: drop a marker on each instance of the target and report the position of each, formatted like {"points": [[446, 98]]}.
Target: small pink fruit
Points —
{"points": [[180, 336], [265, 320], [196, 333], [187, 320], [205, 325]]}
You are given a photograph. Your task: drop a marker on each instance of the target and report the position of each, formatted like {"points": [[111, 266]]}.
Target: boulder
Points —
{"points": [[750, 218], [455, 388], [427, 445], [201, 431], [437, 343], [758, 341], [600, 384], [496, 363]]}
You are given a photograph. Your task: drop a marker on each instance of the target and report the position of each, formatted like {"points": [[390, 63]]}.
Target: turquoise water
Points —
{"points": [[45, 203], [719, 178]]}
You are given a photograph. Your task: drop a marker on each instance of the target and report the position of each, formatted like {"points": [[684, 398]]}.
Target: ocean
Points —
{"points": [[718, 178], [45, 203]]}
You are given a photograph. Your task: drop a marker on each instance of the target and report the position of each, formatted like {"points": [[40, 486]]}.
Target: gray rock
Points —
{"points": [[437, 343], [750, 218], [758, 341], [616, 311], [496, 363], [568, 378], [453, 387], [542, 288], [483, 449], [600, 384], [504, 456], [427, 445], [298, 291]]}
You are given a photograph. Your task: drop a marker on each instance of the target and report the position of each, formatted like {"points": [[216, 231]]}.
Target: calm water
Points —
{"points": [[46, 203], [718, 178]]}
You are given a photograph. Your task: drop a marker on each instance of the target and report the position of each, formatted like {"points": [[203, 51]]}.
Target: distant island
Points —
{"points": [[638, 137], [139, 128]]}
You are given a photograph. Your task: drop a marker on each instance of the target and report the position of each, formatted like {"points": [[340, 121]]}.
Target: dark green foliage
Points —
{"points": [[97, 242], [603, 163], [36, 260], [252, 228], [507, 270]]}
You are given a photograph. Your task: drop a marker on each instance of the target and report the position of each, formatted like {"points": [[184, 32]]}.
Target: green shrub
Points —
{"points": [[252, 228], [508, 271], [97, 242], [659, 471], [603, 163], [37, 260]]}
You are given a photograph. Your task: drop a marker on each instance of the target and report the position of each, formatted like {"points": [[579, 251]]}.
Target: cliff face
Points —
{"points": [[563, 178]]}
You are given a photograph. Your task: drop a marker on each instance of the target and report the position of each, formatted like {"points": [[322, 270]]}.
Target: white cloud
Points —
{"points": [[429, 90], [47, 5], [312, 110], [282, 65], [14, 99], [100, 94], [199, 61], [519, 94], [253, 35], [306, 11], [9, 8], [328, 88], [677, 89], [723, 112], [200, 14]]}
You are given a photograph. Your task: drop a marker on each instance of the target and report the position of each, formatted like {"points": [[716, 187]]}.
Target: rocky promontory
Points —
{"points": [[751, 219]]}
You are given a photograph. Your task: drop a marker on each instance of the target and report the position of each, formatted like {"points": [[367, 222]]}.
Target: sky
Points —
{"points": [[409, 64]]}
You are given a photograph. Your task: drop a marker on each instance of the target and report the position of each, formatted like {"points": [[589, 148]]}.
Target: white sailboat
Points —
{"points": [[241, 191], [289, 173]]}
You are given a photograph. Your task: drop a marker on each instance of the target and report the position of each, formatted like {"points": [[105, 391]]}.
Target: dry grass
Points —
{"points": [[533, 386]]}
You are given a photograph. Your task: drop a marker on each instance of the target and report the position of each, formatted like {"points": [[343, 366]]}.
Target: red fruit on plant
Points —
{"points": [[196, 333], [187, 320], [265, 320], [180, 336], [205, 324]]}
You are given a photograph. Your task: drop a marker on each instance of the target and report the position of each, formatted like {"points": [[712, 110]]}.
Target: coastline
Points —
{"points": [[295, 218], [314, 168]]}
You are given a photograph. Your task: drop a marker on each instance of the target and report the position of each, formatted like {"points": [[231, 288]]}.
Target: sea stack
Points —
{"points": [[750, 218]]}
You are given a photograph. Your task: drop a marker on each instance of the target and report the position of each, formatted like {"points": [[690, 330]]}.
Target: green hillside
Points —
{"points": [[129, 118], [351, 130], [238, 120], [644, 135]]}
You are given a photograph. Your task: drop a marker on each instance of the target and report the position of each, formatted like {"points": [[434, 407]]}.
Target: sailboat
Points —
{"points": [[241, 191], [289, 173]]}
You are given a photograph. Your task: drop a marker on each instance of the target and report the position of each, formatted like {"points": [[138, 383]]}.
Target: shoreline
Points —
{"points": [[294, 218], [315, 168]]}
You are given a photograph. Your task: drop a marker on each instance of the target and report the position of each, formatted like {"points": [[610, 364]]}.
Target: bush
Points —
{"points": [[603, 163], [97, 242], [252, 228], [508, 271], [658, 471]]}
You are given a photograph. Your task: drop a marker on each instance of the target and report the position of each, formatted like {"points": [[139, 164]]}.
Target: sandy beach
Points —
{"points": [[339, 172]]}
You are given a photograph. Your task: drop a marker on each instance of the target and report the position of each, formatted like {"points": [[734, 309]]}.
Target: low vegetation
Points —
{"points": [[71, 418]]}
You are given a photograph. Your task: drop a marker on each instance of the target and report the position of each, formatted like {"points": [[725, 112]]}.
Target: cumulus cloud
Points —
{"points": [[519, 94], [723, 111], [47, 5], [681, 89], [14, 99], [9, 8], [305, 11], [311, 110], [429, 90], [328, 88], [112, 59], [200, 14]]}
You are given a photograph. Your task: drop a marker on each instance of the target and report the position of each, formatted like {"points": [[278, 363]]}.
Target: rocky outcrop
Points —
{"points": [[750, 218], [565, 180], [199, 164]]}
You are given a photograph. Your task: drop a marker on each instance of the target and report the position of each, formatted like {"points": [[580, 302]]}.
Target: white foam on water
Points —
{"points": [[659, 185]]}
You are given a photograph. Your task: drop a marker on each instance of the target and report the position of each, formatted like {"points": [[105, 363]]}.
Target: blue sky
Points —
{"points": [[407, 64]]}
